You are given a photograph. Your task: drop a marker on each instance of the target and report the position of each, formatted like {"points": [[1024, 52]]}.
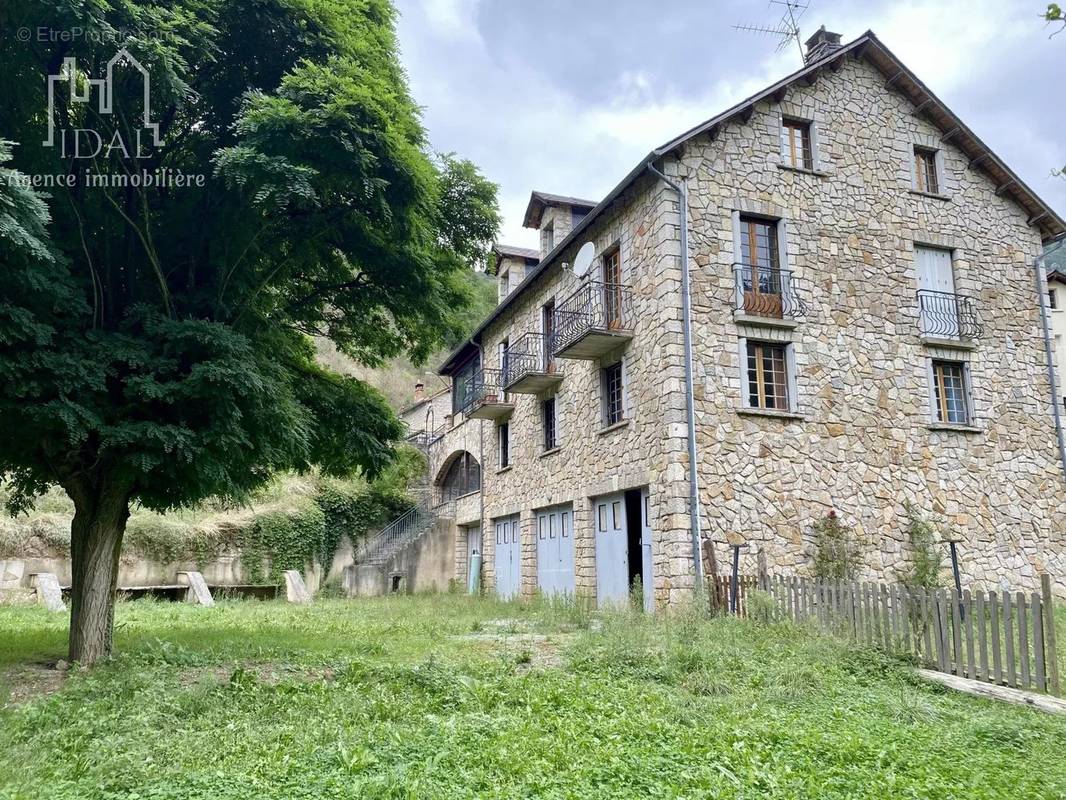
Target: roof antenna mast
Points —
{"points": [[786, 29]]}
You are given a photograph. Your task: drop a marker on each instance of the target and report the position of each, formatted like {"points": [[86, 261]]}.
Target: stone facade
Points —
{"points": [[865, 443], [859, 437]]}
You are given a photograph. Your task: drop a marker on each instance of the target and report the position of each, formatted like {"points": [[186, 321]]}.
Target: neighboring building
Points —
{"points": [[1056, 291], [865, 334]]}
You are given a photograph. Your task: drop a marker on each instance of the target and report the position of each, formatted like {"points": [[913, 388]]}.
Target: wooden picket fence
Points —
{"points": [[720, 598], [1004, 638]]}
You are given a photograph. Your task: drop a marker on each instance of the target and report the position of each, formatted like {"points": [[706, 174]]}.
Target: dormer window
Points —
{"points": [[547, 235], [505, 283]]}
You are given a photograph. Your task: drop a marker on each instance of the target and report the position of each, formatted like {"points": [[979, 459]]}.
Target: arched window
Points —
{"points": [[463, 477]]}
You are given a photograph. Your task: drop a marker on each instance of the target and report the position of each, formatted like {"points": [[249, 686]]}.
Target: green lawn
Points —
{"points": [[436, 697]]}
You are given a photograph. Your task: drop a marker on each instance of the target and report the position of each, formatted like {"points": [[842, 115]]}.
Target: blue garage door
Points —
{"points": [[508, 558], [555, 552]]}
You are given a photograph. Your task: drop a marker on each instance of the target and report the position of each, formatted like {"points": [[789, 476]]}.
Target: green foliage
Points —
{"points": [[290, 540], [291, 522], [405, 706], [157, 339], [836, 550], [924, 535]]}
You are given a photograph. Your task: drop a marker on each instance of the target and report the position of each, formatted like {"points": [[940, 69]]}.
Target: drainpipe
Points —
{"points": [[690, 405], [1056, 400]]}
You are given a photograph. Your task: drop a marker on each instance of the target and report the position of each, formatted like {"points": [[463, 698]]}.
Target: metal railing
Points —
{"points": [[596, 306], [483, 385], [530, 353], [766, 292], [947, 316], [397, 534], [425, 439]]}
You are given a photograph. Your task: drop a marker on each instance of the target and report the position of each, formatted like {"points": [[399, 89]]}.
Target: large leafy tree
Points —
{"points": [[156, 340]]}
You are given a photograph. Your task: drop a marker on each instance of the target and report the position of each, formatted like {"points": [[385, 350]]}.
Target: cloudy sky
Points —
{"points": [[567, 95]]}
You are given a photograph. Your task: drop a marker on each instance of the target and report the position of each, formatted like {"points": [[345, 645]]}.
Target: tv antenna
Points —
{"points": [[786, 29]]}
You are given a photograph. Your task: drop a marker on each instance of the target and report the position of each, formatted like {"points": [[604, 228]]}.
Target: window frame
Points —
{"points": [[504, 283], [606, 406], [780, 223], [549, 424], [548, 236], [921, 174], [791, 383], [937, 408], [1053, 299], [806, 147], [503, 444], [463, 477]]}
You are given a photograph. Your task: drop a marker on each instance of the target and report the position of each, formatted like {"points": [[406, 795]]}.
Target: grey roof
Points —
{"points": [[538, 200], [1057, 275], [897, 74], [508, 251]]}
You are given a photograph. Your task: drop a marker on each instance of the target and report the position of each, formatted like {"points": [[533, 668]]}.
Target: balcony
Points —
{"points": [[529, 364], [946, 318], [594, 320], [483, 395], [767, 295]]}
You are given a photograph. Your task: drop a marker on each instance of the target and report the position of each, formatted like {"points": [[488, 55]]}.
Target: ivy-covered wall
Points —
{"points": [[298, 523]]}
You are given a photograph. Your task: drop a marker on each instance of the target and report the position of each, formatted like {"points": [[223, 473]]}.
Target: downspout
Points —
{"points": [[1041, 291], [690, 405]]}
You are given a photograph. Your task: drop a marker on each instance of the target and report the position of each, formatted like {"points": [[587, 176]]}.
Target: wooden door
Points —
{"points": [[761, 276], [612, 289], [547, 356]]}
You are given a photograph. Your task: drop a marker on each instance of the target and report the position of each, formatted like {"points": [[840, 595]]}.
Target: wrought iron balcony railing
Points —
{"points": [[529, 363], [766, 292], [483, 395], [592, 319], [943, 315]]}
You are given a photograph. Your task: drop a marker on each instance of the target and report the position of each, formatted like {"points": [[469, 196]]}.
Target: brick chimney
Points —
{"points": [[420, 392], [821, 44]]}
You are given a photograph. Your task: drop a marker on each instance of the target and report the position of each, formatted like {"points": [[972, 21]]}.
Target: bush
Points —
{"points": [[926, 558], [836, 552]]}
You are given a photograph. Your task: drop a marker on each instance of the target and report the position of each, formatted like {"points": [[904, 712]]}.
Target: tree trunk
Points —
{"points": [[101, 509]]}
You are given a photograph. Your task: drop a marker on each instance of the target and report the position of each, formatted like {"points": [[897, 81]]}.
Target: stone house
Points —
{"points": [[862, 328]]}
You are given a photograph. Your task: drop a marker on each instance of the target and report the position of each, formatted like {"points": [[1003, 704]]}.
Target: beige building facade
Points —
{"points": [[865, 334]]}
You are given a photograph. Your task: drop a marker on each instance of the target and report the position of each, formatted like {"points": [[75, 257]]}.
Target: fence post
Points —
{"points": [[1052, 657], [710, 573], [1023, 638], [1039, 668], [764, 575]]}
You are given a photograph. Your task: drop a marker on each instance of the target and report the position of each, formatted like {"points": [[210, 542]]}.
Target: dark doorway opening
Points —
{"points": [[633, 534]]}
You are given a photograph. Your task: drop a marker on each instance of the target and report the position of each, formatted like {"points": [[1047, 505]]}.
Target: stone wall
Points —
{"points": [[864, 443], [592, 460], [861, 441], [224, 570]]}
